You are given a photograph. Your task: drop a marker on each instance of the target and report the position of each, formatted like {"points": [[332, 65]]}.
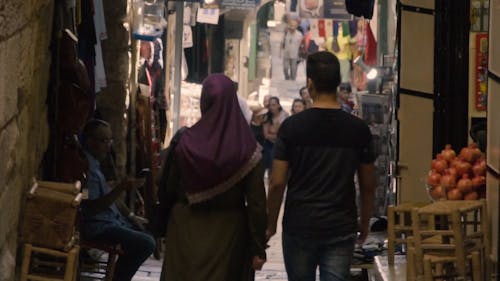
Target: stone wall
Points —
{"points": [[25, 29]]}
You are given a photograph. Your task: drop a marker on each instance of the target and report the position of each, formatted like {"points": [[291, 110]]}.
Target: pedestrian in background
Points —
{"points": [[275, 117], [298, 105], [216, 227], [318, 164], [290, 48], [344, 97], [304, 95], [259, 117]]}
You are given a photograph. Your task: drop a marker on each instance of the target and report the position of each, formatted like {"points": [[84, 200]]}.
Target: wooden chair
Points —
{"points": [[399, 226], [462, 227], [443, 267], [105, 268], [48, 231], [45, 264]]}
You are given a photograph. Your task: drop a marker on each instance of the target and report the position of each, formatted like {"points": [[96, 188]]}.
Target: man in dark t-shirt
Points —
{"points": [[317, 154]]}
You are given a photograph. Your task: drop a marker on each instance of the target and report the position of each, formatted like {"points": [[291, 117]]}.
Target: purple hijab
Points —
{"points": [[220, 149]]}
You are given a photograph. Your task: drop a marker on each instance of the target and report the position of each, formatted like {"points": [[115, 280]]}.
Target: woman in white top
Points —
{"points": [[276, 116]]}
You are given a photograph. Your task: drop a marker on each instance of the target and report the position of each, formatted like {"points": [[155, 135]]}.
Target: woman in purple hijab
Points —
{"points": [[216, 228]]}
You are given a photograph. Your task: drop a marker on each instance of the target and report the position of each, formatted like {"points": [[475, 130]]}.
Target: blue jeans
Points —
{"points": [[333, 256], [137, 247]]}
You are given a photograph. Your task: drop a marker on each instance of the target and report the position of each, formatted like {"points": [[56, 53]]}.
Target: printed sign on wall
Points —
{"points": [[210, 16]]}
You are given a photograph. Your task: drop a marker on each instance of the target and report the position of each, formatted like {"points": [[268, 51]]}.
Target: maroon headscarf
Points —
{"points": [[220, 149]]}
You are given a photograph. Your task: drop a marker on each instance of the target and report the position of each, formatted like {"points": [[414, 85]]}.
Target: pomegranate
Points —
{"points": [[454, 194], [471, 196], [434, 178], [478, 181], [479, 168], [437, 192], [475, 151], [462, 167], [448, 153], [439, 164], [464, 184], [452, 171], [470, 153], [448, 181]]}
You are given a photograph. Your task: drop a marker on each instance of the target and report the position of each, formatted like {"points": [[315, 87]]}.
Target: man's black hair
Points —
{"points": [[90, 127], [323, 68]]}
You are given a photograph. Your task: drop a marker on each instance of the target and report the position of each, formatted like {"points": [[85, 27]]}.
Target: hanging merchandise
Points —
{"points": [[371, 46], [99, 20], [360, 8], [149, 19]]}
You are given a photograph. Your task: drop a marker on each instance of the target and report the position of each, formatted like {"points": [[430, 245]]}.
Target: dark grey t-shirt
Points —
{"points": [[323, 148]]}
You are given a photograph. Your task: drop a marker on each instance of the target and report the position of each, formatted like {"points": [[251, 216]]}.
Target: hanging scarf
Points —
{"points": [[220, 149]]}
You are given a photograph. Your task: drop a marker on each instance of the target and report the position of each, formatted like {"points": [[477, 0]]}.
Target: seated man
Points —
{"points": [[105, 218]]}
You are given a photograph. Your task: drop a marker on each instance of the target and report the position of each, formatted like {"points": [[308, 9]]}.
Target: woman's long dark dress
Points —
{"points": [[215, 240]]}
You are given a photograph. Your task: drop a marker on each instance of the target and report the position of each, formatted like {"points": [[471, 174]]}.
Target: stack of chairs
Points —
{"points": [[450, 241], [399, 226], [48, 232]]}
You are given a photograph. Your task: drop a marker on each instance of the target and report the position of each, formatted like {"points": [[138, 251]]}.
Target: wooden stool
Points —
{"points": [[443, 268], [462, 227], [105, 268], [70, 264], [411, 274], [399, 226]]}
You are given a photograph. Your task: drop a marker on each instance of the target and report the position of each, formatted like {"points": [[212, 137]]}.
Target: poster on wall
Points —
{"points": [[210, 16], [481, 71]]}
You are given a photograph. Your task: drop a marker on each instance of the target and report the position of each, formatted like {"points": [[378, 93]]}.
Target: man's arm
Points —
{"points": [[275, 194], [367, 185], [95, 206]]}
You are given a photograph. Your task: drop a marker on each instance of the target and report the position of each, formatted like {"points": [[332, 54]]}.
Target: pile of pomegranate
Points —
{"points": [[461, 177]]}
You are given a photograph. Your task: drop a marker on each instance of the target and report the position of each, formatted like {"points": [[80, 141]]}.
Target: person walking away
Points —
{"points": [[217, 222], [105, 218], [318, 163], [290, 46]]}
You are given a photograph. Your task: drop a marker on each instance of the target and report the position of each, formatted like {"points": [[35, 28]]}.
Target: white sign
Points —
{"points": [[210, 16]]}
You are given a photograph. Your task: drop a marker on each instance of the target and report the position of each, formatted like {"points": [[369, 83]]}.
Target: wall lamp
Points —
{"points": [[371, 73]]}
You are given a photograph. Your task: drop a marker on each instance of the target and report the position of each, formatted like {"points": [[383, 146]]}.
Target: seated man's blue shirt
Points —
{"points": [[97, 188]]}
